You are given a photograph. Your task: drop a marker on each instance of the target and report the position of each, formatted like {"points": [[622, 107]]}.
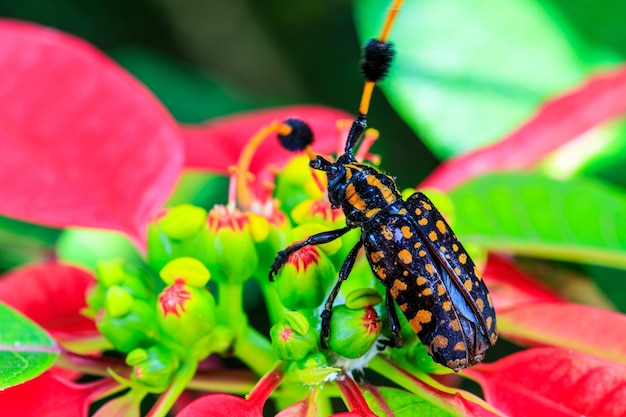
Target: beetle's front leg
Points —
{"points": [[318, 239]]}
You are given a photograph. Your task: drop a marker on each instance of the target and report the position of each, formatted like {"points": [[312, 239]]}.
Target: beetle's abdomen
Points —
{"points": [[423, 290]]}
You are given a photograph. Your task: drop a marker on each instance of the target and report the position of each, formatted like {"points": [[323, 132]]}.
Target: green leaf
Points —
{"points": [[467, 72], [578, 220], [406, 404], [26, 350]]}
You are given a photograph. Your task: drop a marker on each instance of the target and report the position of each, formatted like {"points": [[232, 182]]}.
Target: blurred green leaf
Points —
{"points": [[578, 220], [189, 96], [26, 350], [86, 247], [468, 72], [405, 404]]}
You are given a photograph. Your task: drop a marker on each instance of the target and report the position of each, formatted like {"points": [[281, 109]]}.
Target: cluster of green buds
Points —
{"points": [[156, 320], [162, 314]]}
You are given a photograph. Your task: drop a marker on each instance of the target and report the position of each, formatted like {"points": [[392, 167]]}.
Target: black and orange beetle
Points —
{"points": [[409, 245]]}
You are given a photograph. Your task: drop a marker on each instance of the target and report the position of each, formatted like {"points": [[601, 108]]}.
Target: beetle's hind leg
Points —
{"points": [[394, 323]]}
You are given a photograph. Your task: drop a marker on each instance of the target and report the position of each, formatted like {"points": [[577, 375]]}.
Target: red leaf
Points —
{"points": [[560, 120], [509, 287], [51, 396], [216, 145], [221, 405], [82, 143], [583, 328], [298, 409], [52, 295], [554, 382]]}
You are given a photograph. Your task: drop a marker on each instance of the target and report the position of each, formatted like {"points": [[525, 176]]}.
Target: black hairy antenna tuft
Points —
{"points": [[377, 57], [300, 137]]}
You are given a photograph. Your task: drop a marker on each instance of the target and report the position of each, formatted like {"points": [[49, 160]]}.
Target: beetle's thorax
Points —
{"points": [[361, 191]]}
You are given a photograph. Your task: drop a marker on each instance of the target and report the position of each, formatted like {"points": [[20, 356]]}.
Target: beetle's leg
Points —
{"points": [[394, 322], [346, 267], [318, 239]]}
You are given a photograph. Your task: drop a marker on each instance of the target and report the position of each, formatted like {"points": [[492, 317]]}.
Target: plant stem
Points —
{"points": [[254, 350], [178, 385], [275, 309], [353, 397], [266, 385]]}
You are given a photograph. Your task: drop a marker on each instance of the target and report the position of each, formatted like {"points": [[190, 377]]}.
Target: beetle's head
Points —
{"points": [[336, 174]]}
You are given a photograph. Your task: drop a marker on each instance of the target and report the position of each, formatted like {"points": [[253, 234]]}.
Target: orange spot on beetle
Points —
{"points": [[406, 232], [405, 256], [424, 316], [423, 221], [441, 290], [439, 342], [433, 236], [441, 226], [376, 256], [463, 258], [460, 346], [397, 288]]}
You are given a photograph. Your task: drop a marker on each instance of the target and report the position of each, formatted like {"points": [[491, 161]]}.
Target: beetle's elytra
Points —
{"points": [[409, 245]]}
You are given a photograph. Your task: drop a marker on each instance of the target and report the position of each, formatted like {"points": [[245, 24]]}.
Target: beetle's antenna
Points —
{"points": [[377, 57]]}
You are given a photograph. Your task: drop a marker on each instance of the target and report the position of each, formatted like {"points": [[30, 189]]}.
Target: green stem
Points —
{"points": [[324, 404], [275, 309], [178, 385], [231, 381], [230, 306], [253, 349], [250, 347]]}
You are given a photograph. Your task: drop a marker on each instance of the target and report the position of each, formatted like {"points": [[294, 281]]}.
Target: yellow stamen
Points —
{"points": [[244, 196]]}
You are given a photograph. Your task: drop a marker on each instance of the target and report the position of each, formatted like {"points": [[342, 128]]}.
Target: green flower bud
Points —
{"points": [[319, 213], [293, 342], [353, 331], [86, 247], [230, 253], [220, 340], [305, 279], [136, 328], [278, 236], [96, 295], [312, 370], [296, 183], [132, 279], [183, 222], [362, 298], [118, 301], [153, 367], [185, 313], [110, 272], [181, 232], [190, 270]]}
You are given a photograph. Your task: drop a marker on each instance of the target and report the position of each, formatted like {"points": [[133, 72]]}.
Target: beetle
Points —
{"points": [[409, 245]]}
